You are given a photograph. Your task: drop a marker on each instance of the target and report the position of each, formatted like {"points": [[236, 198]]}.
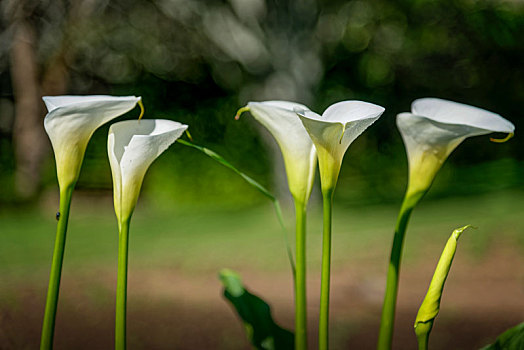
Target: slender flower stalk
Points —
{"points": [[388, 311], [70, 123], [332, 133], [300, 277], [325, 283], [432, 130], [300, 160], [121, 289], [56, 270], [132, 146]]}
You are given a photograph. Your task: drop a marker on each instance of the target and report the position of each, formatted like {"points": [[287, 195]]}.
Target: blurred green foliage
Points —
{"points": [[198, 61]]}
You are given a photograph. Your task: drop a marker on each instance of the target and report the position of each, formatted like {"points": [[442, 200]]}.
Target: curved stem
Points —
{"points": [[121, 287], [323, 327], [300, 278], [48, 327], [385, 336]]}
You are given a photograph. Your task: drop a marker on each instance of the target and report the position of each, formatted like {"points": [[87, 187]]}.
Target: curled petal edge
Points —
{"points": [[142, 110], [505, 139], [240, 111]]}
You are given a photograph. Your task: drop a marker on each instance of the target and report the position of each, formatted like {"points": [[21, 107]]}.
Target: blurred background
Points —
{"points": [[197, 62]]}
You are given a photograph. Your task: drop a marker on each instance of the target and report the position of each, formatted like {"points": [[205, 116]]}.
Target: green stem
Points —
{"points": [[121, 287], [385, 336], [323, 327], [422, 331], [300, 278], [48, 327]]}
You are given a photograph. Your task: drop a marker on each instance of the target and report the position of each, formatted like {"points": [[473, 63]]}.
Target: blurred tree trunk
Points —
{"points": [[31, 144], [29, 138]]}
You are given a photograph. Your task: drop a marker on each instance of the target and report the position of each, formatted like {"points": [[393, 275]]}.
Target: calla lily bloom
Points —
{"points": [[299, 154], [334, 131], [132, 146], [70, 123], [300, 160], [432, 130]]}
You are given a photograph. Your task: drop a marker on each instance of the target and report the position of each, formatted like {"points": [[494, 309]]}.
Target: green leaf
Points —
{"points": [[255, 313], [512, 339], [431, 305], [255, 184]]}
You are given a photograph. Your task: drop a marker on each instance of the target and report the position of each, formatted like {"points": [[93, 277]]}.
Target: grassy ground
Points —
{"points": [[174, 296]]}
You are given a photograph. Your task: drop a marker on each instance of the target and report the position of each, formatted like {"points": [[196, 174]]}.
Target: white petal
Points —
{"points": [[335, 130], [326, 135], [295, 144], [340, 124], [422, 135], [349, 111], [287, 105], [457, 113], [434, 129], [132, 146], [71, 122], [53, 102], [428, 144]]}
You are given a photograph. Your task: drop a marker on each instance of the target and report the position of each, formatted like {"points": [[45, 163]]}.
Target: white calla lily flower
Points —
{"points": [[332, 133], [434, 128], [132, 146], [299, 154], [71, 122], [300, 159], [335, 130]]}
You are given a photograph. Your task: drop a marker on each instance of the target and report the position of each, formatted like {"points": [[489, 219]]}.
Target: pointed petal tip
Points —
{"points": [[307, 114], [299, 111], [240, 111], [142, 110], [505, 139]]}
